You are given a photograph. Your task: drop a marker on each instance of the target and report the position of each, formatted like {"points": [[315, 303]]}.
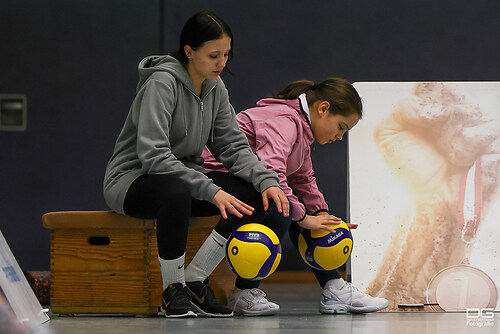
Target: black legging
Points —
{"points": [[168, 200]]}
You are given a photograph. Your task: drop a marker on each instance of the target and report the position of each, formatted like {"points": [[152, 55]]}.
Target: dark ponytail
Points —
{"points": [[342, 96]]}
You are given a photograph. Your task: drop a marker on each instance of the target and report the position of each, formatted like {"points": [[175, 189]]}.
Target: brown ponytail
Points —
{"points": [[294, 89], [342, 96]]}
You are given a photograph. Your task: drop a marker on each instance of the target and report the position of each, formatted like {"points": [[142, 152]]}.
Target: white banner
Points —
{"points": [[424, 172]]}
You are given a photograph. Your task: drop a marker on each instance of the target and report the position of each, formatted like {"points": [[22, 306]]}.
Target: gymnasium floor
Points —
{"points": [[299, 314]]}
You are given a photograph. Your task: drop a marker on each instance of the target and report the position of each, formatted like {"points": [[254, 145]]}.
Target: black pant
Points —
{"points": [[168, 200]]}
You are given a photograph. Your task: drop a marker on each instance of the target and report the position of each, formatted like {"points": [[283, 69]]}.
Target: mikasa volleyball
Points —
{"points": [[324, 250]]}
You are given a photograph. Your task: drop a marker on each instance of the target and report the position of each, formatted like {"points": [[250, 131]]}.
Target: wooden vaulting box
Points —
{"points": [[104, 262]]}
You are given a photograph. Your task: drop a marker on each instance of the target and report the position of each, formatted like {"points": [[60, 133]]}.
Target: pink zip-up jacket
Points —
{"points": [[279, 134]]}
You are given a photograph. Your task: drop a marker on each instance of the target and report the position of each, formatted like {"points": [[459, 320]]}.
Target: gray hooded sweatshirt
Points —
{"points": [[168, 126]]}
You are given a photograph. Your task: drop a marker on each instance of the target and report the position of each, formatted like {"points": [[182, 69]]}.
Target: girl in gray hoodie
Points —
{"points": [[155, 170]]}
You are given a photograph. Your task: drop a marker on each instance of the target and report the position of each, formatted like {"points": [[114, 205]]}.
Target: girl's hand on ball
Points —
{"points": [[320, 222], [226, 202], [351, 226]]}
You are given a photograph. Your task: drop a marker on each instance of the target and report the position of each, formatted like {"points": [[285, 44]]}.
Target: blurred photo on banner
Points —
{"points": [[424, 172]]}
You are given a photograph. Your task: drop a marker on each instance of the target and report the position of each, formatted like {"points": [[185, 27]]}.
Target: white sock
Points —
{"points": [[335, 284], [207, 258], [172, 271]]}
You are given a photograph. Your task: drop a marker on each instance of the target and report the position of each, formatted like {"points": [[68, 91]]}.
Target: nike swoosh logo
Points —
{"points": [[200, 300], [180, 267], [218, 243], [166, 304]]}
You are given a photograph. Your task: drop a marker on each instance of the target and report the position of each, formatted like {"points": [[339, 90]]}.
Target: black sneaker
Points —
{"points": [[205, 302], [176, 302]]}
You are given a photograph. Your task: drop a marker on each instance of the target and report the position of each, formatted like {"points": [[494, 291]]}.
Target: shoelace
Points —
{"points": [[182, 294], [258, 294], [351, 289]]}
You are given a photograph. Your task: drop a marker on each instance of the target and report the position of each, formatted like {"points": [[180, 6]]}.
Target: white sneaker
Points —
{"points": [[340, 296], [251, 302]]}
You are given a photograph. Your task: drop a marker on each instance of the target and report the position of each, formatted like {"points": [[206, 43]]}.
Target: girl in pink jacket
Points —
{"points": [[280, 130]]}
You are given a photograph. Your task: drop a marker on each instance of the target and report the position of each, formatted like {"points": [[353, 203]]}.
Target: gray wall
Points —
{"points": [[76, 62]]}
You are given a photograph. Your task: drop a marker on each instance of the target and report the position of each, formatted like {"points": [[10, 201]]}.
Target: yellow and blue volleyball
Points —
{"points": [[324, 250], [253, 251]]}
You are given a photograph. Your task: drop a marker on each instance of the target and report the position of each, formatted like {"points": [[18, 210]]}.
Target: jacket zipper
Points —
{"points": [[201, 108]]}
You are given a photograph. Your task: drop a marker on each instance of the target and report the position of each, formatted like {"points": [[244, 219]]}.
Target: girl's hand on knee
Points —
{"points": [[320, 222], [279, 197], [229, 204]]}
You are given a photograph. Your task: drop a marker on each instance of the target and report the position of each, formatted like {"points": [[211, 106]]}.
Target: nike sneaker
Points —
{"points": [[203, 298], [176, 302]]}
